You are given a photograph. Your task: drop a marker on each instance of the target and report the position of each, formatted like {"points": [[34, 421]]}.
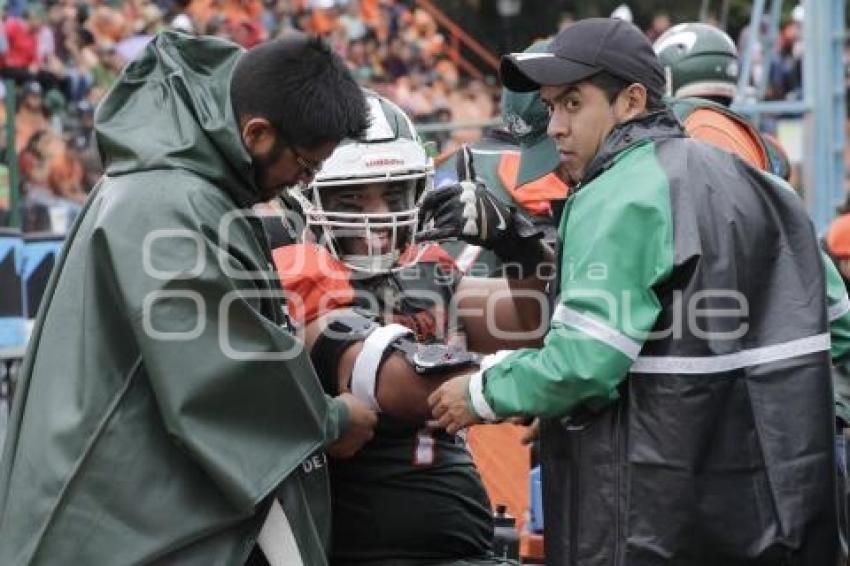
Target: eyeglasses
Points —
{"points": [[310, 167]]}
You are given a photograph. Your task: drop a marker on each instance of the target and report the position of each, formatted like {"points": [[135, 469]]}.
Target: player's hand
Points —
{"points": [[450, 407], [360, 429], [464, 210]]}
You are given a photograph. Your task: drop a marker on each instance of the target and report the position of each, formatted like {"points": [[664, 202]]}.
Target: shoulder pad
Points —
{"points": [[729, 132], [314, 281], [434, 253]]}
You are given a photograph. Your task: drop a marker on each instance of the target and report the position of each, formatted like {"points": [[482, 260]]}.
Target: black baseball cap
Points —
{"points": [[582, 50]]}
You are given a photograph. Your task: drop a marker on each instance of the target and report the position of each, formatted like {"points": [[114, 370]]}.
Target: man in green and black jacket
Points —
{"points": [[684, 383]]}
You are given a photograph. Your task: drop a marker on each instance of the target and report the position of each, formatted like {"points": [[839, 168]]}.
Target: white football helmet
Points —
{"points": [[391, 152]]}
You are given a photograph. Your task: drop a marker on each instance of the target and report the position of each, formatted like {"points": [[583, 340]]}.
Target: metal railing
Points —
{"points": [[435, 127], [822, 107], [458, 38]]}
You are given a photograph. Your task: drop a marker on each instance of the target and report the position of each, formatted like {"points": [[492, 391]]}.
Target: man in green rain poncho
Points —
{"points": [[165, 413]]}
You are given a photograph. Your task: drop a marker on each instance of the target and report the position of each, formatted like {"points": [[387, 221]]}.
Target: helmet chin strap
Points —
{"points": [[389, 262], [376, 264]]}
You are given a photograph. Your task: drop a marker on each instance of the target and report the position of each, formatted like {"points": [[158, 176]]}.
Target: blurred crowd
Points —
{"points": [[64, 54]]}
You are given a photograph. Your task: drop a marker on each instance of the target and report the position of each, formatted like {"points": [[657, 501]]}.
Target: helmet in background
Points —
{"points": [[698, 60]]}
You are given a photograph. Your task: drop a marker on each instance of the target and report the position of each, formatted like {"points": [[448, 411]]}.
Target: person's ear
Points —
{"points": [[631, 102], [259, 136]]}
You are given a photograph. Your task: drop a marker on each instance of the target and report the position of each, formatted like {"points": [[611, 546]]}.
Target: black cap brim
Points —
{"points": [[521, 72]]}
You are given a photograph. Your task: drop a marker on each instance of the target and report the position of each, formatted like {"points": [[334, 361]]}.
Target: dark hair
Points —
{"points": [[304, 89], [612, 85]]}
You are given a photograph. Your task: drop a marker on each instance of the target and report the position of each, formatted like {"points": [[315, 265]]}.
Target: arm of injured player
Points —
{"points": [[374, 372], [502, 314]]}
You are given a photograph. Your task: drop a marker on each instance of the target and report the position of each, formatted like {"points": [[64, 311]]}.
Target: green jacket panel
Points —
{"points": [[593, 341], [838, 306]]}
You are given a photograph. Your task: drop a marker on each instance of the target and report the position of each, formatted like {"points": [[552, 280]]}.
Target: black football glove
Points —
{"points": [[465, 210], [469, 212]]}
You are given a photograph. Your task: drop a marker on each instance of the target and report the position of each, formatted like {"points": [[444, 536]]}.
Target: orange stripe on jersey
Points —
{"points": [[435, 254], [315, 282], [728, 134], [534, 196]]}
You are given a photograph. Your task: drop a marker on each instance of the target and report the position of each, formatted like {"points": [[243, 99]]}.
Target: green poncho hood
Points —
{"points": [[171, 109]]}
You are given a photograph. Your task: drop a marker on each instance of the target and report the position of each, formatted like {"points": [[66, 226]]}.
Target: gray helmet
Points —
{"points": [[698, 60]]}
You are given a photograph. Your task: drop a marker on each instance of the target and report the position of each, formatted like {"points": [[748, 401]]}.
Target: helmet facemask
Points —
{"points": [[369, 242], [389, 164]]}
